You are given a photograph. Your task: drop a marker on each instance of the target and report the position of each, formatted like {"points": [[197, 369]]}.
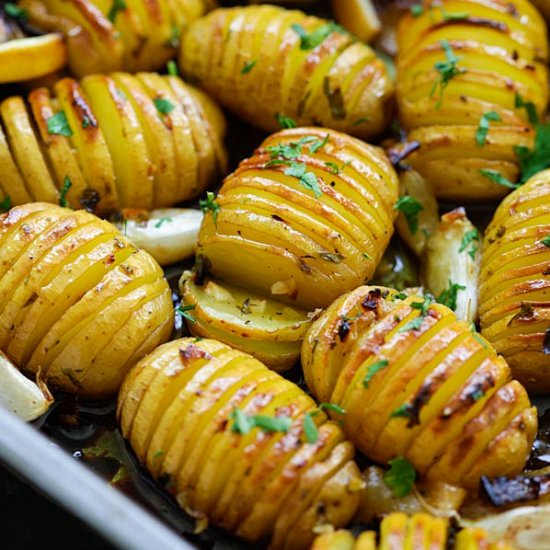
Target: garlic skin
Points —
{"points": [[19, 394]]}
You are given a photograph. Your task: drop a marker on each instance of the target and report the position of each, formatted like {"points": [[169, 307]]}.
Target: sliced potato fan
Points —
{"points": [[265, 62], [237, 444], [514, 294], [81, 304], [110, 142], [472, 80], [416, 382], [112, 35]]}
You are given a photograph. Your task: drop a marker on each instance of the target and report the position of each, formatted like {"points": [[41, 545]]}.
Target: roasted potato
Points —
{"points": [[514, 294], [237, 444], [264, 62], [416, 532], [113, 35], [80, 304], [359, 17], [304, 219], [416, 382], [110, 142], [269, 330], [472, 78]]}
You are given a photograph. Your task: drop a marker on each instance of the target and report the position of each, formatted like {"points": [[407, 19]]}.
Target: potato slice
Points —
{"points": [[451, 264], [124, 137], [19, 394], [26, 150], [12, 182], [359, 17], [31, 57], [89, 142]]}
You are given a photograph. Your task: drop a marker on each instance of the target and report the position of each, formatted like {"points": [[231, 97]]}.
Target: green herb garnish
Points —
{"points": [[529, 106], [447, 71], [164, 106], [184, 312], [248, 66], [307, 179], [468, 242], [497, 177], [118, 5], [59, 125], [449, 296], [546, 241], [5, 204], [311, 40], [417, 10], [410, 207], [172, 68], [400, 477], [483, 127], [413, 324], [162, 221], [210, 204], [285, 121], [310, 428], [373, 369], [243, 423], [15, 11]]}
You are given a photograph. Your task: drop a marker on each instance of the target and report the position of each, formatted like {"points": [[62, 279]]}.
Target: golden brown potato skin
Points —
{"points": [[80, 304], [515, 291], [253, 61], [174, 408], [124, 141], [431, 391], [140, 36], [304, 245], [501, 52]]}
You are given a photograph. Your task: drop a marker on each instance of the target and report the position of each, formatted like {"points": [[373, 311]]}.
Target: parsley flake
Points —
{"points": [[400, 477], [118, 5], [533, 161], [331, 407], [467, 242], [529, 106], [318, 144], [545, 241], [373, 369], [162, 221], [243, 423], [15, 11], [307, 179], [333, 167], [5, 204], [310, 428], [164, 106], [210, 204], [309, 41], [248, 66], [67, 183], [449, 296], [172, 68], [447, 71], [285, 121], [497, 177], [184, 312], [417, 10], [59, 125], [483, 127], [413, 324], [410, 207]]}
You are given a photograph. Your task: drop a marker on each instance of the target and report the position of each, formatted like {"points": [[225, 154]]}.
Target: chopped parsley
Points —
{"points": [[529, 106], [15, 11], [318, 144], [359, 121], [467, 244], [67, 183], [164, 106], [497, 177], [331, 407], [417, 10], [5, 204], [410, 207], [333, 167], [400, 477], [175, 36], [545, 241], [307, 179], [210, 204], [373, 369], [413, 324], [184, 312], [248, 66], [423, 306], [59, 125], [477, 394], [533, 161], [449, 295], [447, 71], [309, 41], [310, 428], [483, 127], [118, 5], [162, 221], [285, 121], [172, 68], [243, 423]]}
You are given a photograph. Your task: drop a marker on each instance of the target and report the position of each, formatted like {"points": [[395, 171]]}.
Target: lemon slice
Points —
{"points": [[19, 394], [31, 57]]}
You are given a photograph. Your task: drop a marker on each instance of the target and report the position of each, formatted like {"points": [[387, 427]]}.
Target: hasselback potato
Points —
{"points": [[111, 35], [262, 62], [304, 219], [416, 382], [515, 290], [237, 444], [472, 78], [80, 304], [417, 532], [110, 142]]}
